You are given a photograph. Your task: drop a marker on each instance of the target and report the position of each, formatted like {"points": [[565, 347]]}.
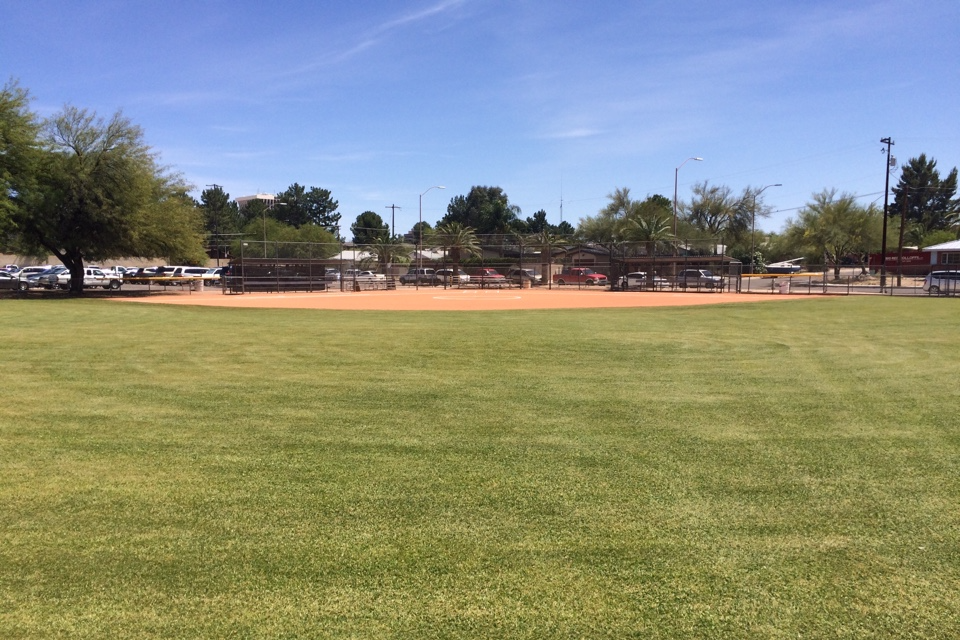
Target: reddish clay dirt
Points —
{"points": [[433, 299]]}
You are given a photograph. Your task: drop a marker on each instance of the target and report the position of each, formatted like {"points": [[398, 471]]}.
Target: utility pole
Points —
{"points": [[393, 215], [883, 243], [903, 223]]}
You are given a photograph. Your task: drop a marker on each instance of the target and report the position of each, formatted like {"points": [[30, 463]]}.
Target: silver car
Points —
{"points": [[942, 283], [699, 279]]}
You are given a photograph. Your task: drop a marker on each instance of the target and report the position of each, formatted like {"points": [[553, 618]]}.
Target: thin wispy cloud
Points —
{"points": [[418, 16], [373, 38], [571, 134]]}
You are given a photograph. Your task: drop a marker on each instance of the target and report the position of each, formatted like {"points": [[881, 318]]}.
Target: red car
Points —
{"points": [[486, 277]]}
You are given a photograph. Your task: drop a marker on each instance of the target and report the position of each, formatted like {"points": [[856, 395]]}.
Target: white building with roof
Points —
{"points": [[268, 198], [945, 254]]}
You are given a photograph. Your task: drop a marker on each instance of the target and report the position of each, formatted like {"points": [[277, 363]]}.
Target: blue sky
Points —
{"points": [[554, 102]]}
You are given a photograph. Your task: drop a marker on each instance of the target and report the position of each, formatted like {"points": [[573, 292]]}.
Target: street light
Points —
{"points": [[753, 226], [420, 242], [676, 176]]}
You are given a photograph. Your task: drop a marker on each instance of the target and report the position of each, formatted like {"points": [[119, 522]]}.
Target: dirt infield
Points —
{"points": [[431, 299]]}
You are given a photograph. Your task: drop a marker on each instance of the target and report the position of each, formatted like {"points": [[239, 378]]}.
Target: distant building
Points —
{"points": [[268, 198], [945, 254]]}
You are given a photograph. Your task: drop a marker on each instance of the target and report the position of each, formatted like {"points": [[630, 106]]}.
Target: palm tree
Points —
{"points": [[653, 231], [545, 242], [386, 251], [457, 240]]}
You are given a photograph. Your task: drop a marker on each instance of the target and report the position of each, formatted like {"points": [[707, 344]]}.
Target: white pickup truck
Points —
{"points": [[92, 277], [356, 275]]}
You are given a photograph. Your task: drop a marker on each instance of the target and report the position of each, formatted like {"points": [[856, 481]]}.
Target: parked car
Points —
{"points": [[486, 277], [580, 275], [446, 276], [642, 280], [53, 278], [32, 270], [425, 276], [139, 275], [699, 279], [11, 281], [213, 275], [942, 283], [519, 276], [331, 275]]}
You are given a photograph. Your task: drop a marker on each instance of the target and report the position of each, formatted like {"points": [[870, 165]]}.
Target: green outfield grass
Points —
{"points": [[769, 470]]}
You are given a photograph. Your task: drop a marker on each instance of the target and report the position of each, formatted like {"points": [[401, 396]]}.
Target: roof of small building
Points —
{"points": [[953, 245]]}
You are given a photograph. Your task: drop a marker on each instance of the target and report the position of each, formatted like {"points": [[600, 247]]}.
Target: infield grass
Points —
{"points": [[775, 470]]}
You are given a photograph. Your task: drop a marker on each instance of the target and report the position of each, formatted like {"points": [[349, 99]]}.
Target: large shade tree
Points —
{"points": [[19, 152], [487, 210], [835, 226], [712, 209], [300, 206], [923, 197], [221, 217], [369, 227], [99, 193]]}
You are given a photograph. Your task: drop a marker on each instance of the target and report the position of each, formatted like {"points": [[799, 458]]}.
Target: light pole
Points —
{"points": [[753, 226], [420, 237], [676, 176]]}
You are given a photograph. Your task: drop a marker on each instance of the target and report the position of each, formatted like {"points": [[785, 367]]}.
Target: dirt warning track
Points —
{"points": [[434, 299]]}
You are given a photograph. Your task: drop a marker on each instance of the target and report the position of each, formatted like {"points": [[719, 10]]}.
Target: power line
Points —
{"points": [[393, 216]]}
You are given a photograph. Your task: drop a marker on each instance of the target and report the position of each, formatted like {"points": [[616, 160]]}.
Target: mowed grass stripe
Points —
{"points": [[775, 470]]}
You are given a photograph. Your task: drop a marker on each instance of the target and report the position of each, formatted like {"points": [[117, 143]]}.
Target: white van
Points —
{"points": [[942, 283]]}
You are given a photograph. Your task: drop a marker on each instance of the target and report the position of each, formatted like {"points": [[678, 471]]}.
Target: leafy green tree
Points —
{"points": [[835, 226], [269, 238], [368, 227], [605, 227], [750, 206], [937, 237], [251, 211], [293, 209], [457, 240], [418, 231], [929, 200], [220, 219], [712, 210], [301, 206], [19, 152], [219, 211], [537, 222], [100, 194], [565, 229], [485, 209]]}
